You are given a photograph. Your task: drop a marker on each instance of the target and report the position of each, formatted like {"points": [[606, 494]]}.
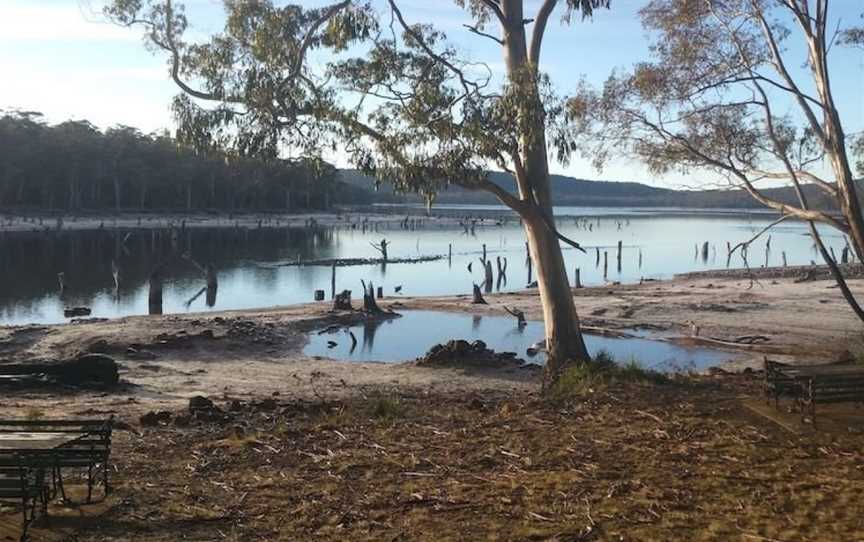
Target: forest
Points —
{"points": [[74, 166]]}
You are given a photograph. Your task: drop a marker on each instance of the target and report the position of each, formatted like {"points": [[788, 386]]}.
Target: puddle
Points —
{"points": [[411, 336]]}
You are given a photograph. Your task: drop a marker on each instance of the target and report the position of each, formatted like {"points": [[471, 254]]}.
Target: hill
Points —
{"points": [[588, 193]]}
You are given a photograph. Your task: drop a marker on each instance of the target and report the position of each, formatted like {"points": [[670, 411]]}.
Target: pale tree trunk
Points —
{"points": [[564, 342]]}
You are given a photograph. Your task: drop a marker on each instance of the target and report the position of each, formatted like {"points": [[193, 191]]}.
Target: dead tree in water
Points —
{"points": [[369, 304], [382, 248], [487, 283], [210, 276], [154, 299], [115, 273], [502, 271], [478, 296], [520, 316]]}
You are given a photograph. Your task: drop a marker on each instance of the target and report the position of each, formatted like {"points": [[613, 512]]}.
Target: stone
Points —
{"points": [[200, 403], [152, 419]]}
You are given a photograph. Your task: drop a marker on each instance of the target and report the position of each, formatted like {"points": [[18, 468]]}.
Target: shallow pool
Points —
{"points": [[411, 336]]}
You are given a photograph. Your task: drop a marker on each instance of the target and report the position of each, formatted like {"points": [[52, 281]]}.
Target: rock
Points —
{"points": [[267, 404], [200, 403], [462, 353], [152, 419], [140, 354], [183, 420], [98, 347]]}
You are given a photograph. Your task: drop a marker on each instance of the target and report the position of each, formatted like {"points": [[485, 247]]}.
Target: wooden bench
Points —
{"points": [[809, 385], [90, 449], [22, 483]]}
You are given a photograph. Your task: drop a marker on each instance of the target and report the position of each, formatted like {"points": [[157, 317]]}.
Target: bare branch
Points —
{"points": [[479, 32]]}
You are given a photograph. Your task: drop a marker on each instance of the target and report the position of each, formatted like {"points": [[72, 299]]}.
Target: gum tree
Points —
{"points": [[723, 92], [403, 103]]}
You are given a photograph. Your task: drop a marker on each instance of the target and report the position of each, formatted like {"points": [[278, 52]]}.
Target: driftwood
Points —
{"points": [[85, 370], [519, 315], [349, 262]]}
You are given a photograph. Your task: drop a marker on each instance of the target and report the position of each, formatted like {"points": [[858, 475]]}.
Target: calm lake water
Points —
{"points": [[411, 336], [252, 270]]}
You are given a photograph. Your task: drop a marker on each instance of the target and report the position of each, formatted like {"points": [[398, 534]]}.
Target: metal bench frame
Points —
{"points": [[22, 481], [91, 451], [808, 385]]}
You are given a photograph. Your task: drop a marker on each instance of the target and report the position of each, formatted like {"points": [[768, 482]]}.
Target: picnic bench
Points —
{"points": [[35, 453], [808, 385]]}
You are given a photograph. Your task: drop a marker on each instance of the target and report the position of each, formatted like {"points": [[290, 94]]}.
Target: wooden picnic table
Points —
{"points": [[23, 441]]}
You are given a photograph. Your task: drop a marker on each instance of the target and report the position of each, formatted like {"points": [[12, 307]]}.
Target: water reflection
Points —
{"points": [[253, 271], [411, 336]]}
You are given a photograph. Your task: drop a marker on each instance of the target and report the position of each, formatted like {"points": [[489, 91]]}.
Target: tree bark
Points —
{"points": [[564, 342]]}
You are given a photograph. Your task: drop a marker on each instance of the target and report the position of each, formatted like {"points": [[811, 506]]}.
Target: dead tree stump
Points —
{"points": [[478, 296], [342, 301]]}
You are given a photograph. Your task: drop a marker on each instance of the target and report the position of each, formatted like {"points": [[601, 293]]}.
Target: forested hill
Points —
{"points": [[73, 166], [581, 192]]}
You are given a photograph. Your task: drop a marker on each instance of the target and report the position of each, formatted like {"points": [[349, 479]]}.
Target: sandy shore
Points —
{"points": [[259, 352], [310, 448]]}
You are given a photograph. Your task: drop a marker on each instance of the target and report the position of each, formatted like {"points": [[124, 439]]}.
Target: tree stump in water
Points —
{"points": [[478, 296], [369, 303], [342, 301], [154, 299]]}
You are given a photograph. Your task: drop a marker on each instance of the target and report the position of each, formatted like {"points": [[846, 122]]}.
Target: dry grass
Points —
{"points": [[634, 461]]}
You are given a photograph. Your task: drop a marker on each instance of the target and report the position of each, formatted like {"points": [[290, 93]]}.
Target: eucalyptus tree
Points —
{"points": [[725, 91], [403, 103]]}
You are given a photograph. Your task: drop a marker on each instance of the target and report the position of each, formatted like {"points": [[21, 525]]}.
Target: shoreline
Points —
{"points": [[387, 215], [802, 321]]}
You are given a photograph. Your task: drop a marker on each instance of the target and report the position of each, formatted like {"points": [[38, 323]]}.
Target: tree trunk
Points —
{"points": [[564, 342]]}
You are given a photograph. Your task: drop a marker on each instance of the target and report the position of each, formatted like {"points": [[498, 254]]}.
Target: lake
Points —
{"points": [[657, 243]]}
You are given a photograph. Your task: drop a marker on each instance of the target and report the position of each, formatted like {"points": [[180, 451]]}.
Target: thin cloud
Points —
{"points": [[29, 21]]}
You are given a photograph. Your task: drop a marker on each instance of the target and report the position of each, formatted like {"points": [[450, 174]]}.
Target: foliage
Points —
{"points": [[719, 94], [72, 166]]}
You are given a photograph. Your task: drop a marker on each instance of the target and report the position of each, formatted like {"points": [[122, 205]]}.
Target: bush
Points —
{"points": [[603, 370]]}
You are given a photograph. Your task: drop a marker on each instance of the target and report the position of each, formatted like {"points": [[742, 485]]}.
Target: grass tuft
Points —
{"points": [[603, 370], [386, 407]]}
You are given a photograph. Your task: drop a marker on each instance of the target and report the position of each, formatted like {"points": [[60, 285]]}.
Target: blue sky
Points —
{"points": [[60, 58]]}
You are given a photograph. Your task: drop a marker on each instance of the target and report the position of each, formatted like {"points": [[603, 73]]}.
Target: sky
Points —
{"points": [[61, 58]]}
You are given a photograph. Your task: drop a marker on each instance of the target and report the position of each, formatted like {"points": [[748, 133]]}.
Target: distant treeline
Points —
{"points": [[74, 166], [590, 193]]}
